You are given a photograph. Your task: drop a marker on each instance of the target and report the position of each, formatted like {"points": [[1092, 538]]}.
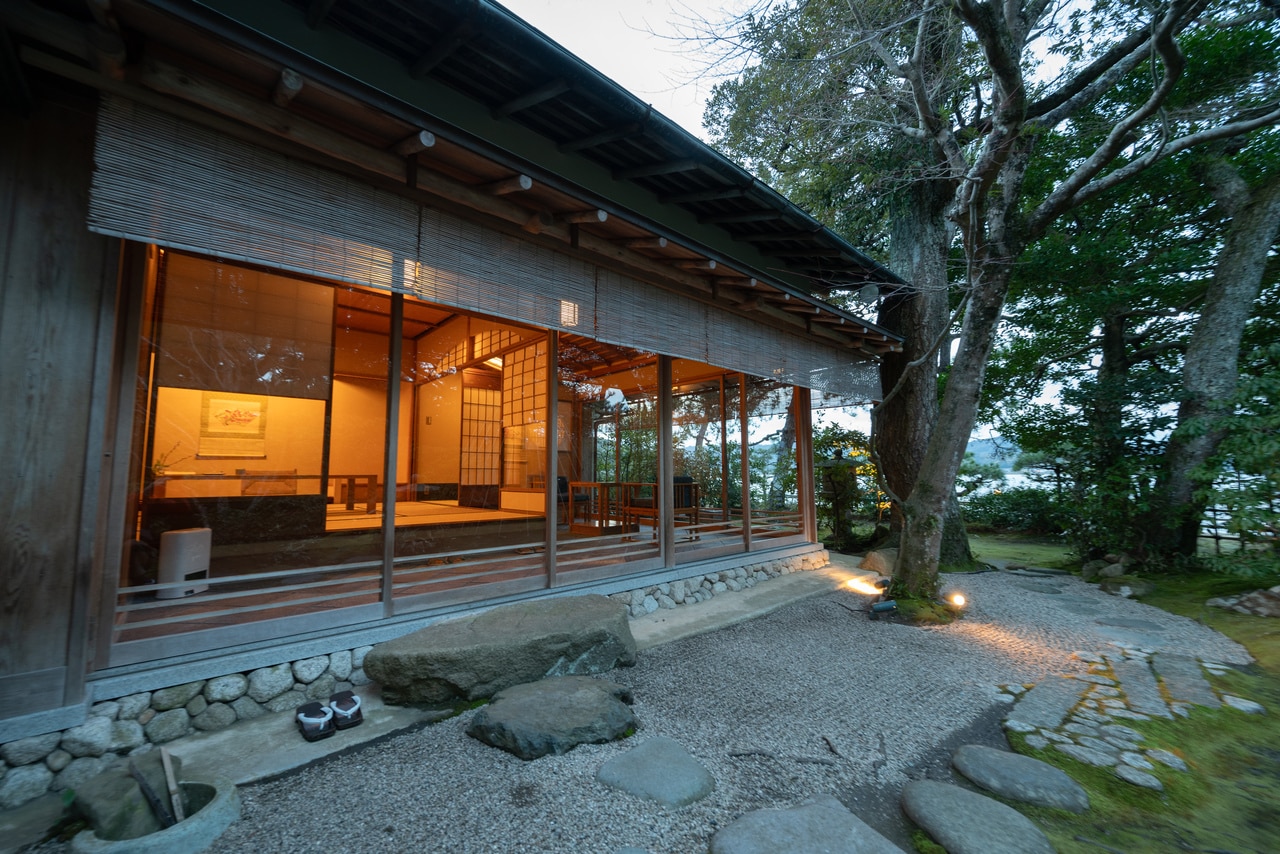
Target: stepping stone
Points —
{"points": [[965, 822], [820, 824], [1184, 679], [1131, 623], [474, 657], [1036, 586], [1089, 756], [1020, 778], [1140, 689], [660, 769], [1164, 757], [554, 716], [1249, 707], [1139, 778], [1046, 705]]}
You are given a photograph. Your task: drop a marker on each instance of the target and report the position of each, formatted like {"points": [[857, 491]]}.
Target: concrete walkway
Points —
{"points": [[269, 746]]}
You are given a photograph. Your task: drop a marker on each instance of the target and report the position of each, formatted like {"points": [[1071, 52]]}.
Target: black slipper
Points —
{"points": [[346, 710], [314, 721]]}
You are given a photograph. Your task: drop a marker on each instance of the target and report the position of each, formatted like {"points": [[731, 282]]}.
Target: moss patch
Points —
{"points": [[1227, 800], [1050, 553]]}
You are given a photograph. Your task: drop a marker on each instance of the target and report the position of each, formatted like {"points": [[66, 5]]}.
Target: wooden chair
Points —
{"points": [[641, 501], [567, 501]]}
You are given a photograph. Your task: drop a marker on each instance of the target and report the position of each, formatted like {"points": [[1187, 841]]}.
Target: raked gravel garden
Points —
{"points": [[814, 699]]}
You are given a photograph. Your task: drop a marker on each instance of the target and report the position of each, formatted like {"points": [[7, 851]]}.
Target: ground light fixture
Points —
{"points": [[880, 605]]}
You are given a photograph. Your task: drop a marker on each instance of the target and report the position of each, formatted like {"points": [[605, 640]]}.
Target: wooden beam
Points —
{"points": [[164, 78], [669, 167], [231, 111], [47, 27], [704, 264], [317, 11], [705, 195], [514, 184], [603, 137], [817, 252], [287, 87], [748, 216], [659, 268], [778, 237], [726, 282], [411, 145], [546, 92], [461, 33], [539, 223], [584, 217], [645, 243]]}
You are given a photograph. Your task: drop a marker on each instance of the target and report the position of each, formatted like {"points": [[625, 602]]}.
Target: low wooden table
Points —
{"points": [[157, 486]]}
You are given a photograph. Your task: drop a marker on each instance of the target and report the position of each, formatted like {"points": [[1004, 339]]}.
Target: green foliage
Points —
{"points": [[1250, 491], [974, 475], [1021, 509], [846, 490]]}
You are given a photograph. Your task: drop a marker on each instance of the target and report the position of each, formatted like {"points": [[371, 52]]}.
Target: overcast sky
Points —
{"points": [[636, 43]]}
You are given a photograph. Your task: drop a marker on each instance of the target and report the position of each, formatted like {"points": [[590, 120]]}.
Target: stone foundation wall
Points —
{"points": [[129, 725], [700, 588], [134, 724]]}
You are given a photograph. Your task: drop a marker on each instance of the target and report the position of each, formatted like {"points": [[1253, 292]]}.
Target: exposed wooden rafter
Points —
{"points": [[748, 216], [668, 167], [779, 237], [461, 33], [323, 135], [604, 137], [514, 184], [645, 243], [706, 195], [317, 11], [418, 142], [585, 217], [287, 87], [552, 89]]}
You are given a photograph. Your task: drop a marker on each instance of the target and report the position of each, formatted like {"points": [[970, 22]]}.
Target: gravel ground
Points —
{"points": [[813, 698]]}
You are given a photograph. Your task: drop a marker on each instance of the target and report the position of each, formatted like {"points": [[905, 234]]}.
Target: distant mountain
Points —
{"points": [[996, 450]]}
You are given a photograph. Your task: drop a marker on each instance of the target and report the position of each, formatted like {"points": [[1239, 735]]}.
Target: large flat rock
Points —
{"points": [[475, 657], [818, 825], [555, 715], [965, 822], [1020, 778]]}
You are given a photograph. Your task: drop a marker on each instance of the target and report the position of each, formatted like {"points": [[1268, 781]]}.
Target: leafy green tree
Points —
{"points": [[951, 102]]}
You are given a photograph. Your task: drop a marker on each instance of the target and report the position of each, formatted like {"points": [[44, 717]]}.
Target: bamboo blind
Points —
{"points": [[163, 180]]}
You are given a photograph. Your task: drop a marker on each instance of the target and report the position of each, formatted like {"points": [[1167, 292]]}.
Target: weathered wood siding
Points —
{"points": [[53, 281]]}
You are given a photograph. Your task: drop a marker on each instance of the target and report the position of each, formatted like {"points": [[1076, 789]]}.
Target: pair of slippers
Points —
{"points": [[316, 721]]}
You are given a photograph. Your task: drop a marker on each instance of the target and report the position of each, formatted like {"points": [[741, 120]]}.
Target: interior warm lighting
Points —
{"points": [[495, 363], [957, 599], [861, 585], [568, 313]]}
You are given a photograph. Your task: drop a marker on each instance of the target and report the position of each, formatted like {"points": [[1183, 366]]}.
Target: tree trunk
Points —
{"points": [[919, 241], [1210, 368], [925, 510], [901, 426]]}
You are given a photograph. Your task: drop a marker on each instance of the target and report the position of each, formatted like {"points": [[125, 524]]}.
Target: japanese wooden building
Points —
{"points": [[324, 319]]}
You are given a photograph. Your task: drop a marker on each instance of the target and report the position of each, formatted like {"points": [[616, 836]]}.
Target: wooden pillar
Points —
{"points": [[666, 491], [745, 461], [552, 452], [391, 445], [800, 399]]}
